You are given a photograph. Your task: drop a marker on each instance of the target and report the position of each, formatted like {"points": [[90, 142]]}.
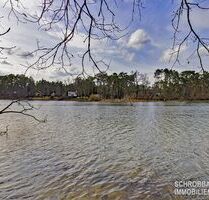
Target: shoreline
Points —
{"points": [[115, 101]]}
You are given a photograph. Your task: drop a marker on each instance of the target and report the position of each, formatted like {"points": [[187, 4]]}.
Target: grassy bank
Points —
{"points": [[119, 101]]}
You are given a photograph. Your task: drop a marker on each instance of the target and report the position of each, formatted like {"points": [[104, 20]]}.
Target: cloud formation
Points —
{"points": [[169, 55], [166, 55], [4, 62], [142, 50], [26, 54], [138, 39]]}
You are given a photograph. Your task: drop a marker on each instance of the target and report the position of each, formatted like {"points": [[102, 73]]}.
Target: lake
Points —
{"points": [[103, 151]]}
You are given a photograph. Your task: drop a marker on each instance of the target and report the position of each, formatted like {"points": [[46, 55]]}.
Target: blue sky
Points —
{"points": [[146, 47]]}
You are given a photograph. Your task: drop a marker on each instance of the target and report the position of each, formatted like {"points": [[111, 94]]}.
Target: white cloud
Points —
{"points": [[4, 62], [126, 55], [166, 55], [203, 51], [199, 19], [169, 55], [78, 41], [23, 6], [138, 39]]}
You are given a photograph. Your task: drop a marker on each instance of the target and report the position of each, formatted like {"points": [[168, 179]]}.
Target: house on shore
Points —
{"points": [[72, 94]]}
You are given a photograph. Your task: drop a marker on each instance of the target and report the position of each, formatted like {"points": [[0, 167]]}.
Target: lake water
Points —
{"points": [[103, 151]]}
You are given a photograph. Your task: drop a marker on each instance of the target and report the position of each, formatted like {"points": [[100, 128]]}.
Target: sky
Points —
{"points": [[146, 46]]}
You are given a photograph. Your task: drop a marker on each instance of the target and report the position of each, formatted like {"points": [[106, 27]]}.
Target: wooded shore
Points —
{"points": [[123, 87]]}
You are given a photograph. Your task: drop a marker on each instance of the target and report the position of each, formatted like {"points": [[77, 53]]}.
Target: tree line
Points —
{"points": [[187, 85], [19, 86], [168, 85]]}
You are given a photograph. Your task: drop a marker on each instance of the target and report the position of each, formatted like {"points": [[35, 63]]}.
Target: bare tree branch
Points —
{"points": [[4, 33], [25, 107], [95, 19], [185, 10]]}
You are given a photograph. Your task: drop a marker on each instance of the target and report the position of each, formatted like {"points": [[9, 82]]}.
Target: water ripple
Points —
{"points": [[94, 151]]}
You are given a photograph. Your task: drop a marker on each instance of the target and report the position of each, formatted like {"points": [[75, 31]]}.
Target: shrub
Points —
{"points": [[95, 97]]}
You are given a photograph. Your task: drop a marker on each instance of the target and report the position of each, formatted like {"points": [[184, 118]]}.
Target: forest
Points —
{"points": [[168, 85]]}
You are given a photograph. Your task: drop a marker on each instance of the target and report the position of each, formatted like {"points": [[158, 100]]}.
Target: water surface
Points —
{"points": [[103, 151]]}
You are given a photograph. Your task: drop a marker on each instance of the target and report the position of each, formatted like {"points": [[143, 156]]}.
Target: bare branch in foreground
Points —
{"points": [[25, 107], [4, 33], [95, 20], [191, 36]]}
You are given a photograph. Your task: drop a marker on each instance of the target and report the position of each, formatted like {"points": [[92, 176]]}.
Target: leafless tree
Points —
{"points": [[19, 107], [191, 35], [3, 48], [24, 106], [97, 19]]}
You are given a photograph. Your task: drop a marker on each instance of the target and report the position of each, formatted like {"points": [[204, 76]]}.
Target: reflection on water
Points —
{"points": [[94, 151]]}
